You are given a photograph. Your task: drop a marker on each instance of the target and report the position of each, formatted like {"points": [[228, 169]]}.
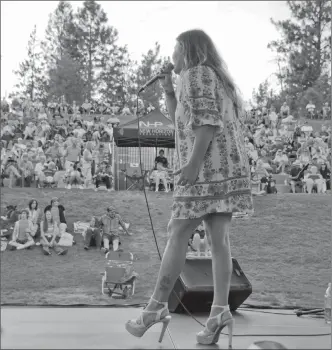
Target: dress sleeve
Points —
{"points": [[200, 84]]}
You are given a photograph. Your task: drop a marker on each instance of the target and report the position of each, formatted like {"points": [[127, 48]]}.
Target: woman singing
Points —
{"points": [[211, 182]]}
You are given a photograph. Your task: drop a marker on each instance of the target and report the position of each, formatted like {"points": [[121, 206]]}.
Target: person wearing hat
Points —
{"points": [[296, 175], [110, 226]]}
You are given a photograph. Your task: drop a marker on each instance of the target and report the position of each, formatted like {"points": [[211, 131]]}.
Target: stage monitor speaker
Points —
{"points": [[194, 287]]}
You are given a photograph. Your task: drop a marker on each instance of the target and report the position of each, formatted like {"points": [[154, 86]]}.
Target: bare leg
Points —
{"points": [[218, 227], [310, 185], [26, 245], [157, 182], [15, 244], [115, 244], [172, 263], [319, 184], [106, 243], [165, 183], [292, 183]]}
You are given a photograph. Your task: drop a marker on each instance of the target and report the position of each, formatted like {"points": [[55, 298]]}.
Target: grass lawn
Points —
{"points": [[284, 249]]}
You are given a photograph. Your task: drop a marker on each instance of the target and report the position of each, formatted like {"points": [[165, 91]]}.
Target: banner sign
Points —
{"points": [[156, 132]]}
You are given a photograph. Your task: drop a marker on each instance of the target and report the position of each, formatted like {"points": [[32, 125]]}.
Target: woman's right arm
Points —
{"points": [[171, 103]]}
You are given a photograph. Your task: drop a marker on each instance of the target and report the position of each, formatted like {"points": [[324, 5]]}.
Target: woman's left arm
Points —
{"points": [[205, 117], [203, 138]]}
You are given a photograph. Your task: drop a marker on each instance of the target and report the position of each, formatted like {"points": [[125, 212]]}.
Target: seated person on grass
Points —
{"points": [[260, 175], [74, 176], [35, 216], [326, 173], [314, 178], [280, 160], [103, 174], [39, 170], [21, 238], [296, 175], [110, 226], [57, 210], [93, 232], [49, 232]]}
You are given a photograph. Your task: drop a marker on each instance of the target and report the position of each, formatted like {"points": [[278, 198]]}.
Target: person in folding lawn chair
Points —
{"points": [[93, 232], [21, 235], [49, 232], [110, 225]]}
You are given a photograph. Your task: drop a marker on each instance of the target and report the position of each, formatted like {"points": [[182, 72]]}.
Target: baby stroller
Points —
{"points": [[119, 277]]}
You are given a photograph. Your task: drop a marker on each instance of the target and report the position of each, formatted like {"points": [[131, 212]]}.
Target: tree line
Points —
{"points": [[80, 58], [302, 57]]}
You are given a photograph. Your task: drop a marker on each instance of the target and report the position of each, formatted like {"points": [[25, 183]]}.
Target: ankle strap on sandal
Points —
{"points": [[159, 302]]}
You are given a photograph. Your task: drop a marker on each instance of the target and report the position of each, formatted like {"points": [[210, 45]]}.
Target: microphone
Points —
{"points": [[166, 69]]}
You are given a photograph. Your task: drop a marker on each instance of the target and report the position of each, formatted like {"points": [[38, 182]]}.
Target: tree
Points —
{"points": [[60, 35], [149, 66], [305, 47], [30, 72], [97, 44], [117, 78], [65, 80]]}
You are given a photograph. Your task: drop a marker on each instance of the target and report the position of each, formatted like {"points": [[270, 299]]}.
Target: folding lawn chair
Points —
{"points": [[119, 277]]}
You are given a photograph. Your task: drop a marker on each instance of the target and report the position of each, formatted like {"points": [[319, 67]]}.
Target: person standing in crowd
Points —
{"points": [[212, 180], [87, 163]]}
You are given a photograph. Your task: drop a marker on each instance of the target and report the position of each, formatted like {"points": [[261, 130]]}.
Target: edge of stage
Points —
{"points": [[103, 328]]}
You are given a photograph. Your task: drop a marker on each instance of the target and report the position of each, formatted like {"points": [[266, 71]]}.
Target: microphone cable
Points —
{"points": [[148, 206]]}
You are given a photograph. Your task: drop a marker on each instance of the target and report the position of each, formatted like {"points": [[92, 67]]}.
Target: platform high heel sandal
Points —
{"points": [[211, 335], [137, 327]]}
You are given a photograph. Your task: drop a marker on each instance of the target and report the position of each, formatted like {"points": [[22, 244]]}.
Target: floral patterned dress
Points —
{"points": [[223, 184]]}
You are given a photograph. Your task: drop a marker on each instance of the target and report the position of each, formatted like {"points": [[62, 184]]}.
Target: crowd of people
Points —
{"points": [[40, 143], [47, 144], [44, 145], [48, 228], [276, 143]]}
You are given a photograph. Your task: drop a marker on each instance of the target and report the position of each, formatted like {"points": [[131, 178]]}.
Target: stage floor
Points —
{"points": [[103, 328]]}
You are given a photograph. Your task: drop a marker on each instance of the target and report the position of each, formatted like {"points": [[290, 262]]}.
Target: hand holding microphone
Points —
{"points": [[165, 77]]}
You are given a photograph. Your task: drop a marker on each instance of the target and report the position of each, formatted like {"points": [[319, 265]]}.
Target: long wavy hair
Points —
{"points": [[45, 222], [199, 49], [30, 204]]}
